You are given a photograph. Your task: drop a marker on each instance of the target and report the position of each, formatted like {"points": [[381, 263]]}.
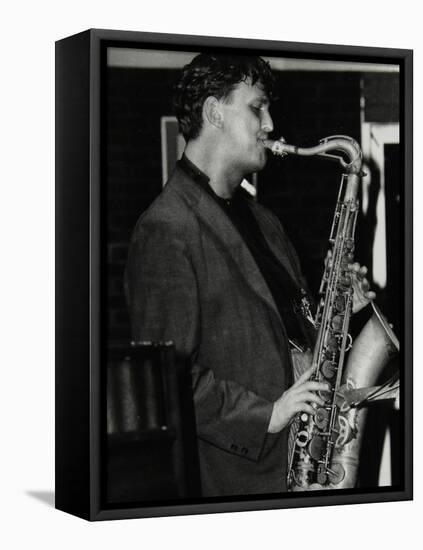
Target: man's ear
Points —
{"points": [[212, 112]]}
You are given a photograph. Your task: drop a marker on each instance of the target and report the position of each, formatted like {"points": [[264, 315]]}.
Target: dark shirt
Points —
{"points": [[285, 291]]}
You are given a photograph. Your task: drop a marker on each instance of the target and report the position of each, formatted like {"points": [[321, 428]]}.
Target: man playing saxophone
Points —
{"points": [[213, 271]]}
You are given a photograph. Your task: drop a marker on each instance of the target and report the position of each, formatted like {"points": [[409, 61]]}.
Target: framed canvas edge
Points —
{"points": [[97, 36], [252, 505], [407, 137], [307, 48]]}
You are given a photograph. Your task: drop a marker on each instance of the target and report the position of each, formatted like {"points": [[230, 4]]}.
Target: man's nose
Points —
{"points": [[267, 122]]}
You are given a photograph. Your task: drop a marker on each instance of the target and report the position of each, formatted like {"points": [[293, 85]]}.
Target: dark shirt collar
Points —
{"points": [[202, 179], [193, 171]]}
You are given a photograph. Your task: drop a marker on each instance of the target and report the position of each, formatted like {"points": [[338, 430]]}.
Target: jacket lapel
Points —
{"points": [[218, 224], [278, 245]]}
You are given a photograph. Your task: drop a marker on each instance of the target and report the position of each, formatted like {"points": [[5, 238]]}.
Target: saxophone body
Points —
{"points": [[324, 447]]}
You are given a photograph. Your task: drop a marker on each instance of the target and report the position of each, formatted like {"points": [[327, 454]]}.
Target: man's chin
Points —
{"points": [[261, 161]]}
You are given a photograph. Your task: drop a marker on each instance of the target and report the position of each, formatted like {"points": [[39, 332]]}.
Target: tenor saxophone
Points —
{"points": [[325, 446]]}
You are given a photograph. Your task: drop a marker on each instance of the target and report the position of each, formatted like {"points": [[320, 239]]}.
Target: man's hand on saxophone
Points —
{"points": [[300, 397], [362, 295]]}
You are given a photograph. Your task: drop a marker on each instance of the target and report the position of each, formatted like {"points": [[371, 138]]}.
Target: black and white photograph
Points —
{"points": [[210, 284], [249, 217]]}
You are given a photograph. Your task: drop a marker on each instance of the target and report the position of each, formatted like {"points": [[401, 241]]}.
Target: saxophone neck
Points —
{"points": [[344, 144]]}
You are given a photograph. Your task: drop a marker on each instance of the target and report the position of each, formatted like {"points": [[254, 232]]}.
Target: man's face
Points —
{"points": [[246, 122]]}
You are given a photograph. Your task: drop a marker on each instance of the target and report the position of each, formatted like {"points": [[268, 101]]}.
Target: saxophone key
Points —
{"points": [[322, 475], [338, 322], [336, 474], [345, 281], [349, 244], [326, 395], [344, 263], [332, 345], [302, 438], [317, 447], [349, 342], [321, 418], [328, 369], [339, 303], [349, 256]]}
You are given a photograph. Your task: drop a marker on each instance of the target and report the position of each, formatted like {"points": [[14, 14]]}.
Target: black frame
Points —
{"points": [[78, 275]]}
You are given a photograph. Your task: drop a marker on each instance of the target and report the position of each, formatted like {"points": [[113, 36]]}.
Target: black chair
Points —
{"points": [[151, 447]]}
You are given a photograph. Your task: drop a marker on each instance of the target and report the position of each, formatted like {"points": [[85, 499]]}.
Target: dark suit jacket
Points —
{"points": [[191, 279]]}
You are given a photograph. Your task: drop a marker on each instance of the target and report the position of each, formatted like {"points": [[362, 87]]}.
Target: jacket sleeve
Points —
{"points": [[161, 289]]}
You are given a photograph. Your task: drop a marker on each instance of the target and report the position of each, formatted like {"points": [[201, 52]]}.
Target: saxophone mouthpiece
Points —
{"points": [[268, 143], [278, 147]]}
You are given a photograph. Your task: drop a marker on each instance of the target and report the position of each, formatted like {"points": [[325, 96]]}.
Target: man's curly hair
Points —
{"points": [[214, 75]]}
